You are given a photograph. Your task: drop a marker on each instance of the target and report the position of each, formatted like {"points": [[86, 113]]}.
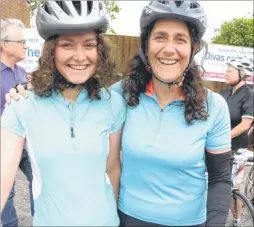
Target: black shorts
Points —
{"points": [[126, 220]]}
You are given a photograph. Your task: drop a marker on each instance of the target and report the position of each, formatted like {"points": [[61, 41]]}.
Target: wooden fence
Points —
{"points": [[123, 48]]}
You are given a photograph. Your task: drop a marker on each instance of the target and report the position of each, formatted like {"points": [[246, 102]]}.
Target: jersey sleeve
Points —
{"points": [[219, 135], [11, 119], [118, 112], [247, 108]]}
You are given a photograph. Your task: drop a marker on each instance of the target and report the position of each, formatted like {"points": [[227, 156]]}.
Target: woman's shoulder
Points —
{"points": [[117, 87], [225, 90], [215, 99], [22, 107], [248, 91], [23, 102], [114, 103], [113, 97]]}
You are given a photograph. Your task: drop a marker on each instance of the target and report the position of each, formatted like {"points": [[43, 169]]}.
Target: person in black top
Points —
{"points": [[239, 98]]}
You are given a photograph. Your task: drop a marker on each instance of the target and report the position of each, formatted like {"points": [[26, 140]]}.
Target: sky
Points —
{"points": [[127, 20]]}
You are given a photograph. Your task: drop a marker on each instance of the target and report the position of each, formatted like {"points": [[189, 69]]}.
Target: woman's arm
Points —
{"points": [[219, 186], [11, 150], [242, 127], [218, 162], [114, 162]]}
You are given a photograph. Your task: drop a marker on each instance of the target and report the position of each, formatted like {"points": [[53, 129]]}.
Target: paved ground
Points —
{"points": [[22, 200]]}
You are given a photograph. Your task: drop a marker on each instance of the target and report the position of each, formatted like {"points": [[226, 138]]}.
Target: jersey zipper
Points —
{"points": [[72, 131], [159, 123]]}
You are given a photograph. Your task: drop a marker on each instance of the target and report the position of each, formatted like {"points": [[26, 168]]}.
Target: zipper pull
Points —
{"points": [[72, 132]]}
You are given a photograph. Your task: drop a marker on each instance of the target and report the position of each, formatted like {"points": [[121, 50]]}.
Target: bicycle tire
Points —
{"points": [[247, 209], [248, 188]]}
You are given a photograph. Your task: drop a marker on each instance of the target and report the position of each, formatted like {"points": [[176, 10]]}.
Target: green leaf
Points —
{"points": [[237, 32]]}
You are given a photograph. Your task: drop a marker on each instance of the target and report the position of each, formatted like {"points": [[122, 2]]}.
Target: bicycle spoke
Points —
{"points": [[239, 201]]}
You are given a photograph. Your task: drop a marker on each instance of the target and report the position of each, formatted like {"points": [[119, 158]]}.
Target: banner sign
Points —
{"points": [[214, 61], [33, 51]]}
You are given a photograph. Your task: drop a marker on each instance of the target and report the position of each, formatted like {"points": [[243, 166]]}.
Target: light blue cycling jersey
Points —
{"points": [[163, 177], [68, 147]]}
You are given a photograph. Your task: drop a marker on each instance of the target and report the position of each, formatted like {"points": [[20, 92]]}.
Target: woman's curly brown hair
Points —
{"points": [[137, 78], [47, 78]]}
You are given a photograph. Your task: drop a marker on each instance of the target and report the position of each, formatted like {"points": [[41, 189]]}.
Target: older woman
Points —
{"points": [[175, 128]]}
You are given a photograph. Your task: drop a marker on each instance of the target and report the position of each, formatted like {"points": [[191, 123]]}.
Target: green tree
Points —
{"points": [[237, 32], [111, 7]]}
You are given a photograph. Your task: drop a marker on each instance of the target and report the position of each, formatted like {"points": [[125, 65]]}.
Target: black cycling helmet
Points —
{"points": [[59, 17], [190, 12]]}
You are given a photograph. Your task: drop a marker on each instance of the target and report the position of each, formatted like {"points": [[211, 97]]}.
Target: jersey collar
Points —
{"points": [[150, 90], [83, 95]]}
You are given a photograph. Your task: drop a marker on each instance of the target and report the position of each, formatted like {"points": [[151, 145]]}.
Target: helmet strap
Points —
{"points": [[62, 81], [240, 78]]}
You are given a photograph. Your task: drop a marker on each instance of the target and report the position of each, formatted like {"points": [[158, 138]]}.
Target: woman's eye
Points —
{"points": [[90, 45], [159, 38], [66, 45], [181, 41]]}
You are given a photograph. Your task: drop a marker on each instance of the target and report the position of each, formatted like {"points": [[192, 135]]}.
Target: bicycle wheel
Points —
{"points": [[246, 214], [249, 189]]}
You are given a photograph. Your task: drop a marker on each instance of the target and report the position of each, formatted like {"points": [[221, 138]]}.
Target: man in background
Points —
{"points": [[13, 49]]}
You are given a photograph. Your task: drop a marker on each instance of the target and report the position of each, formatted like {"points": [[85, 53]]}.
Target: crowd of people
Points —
{"points": [[136, 153]]}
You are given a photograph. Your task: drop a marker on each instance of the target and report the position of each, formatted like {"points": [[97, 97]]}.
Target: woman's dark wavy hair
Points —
{"points": [[47, 78], [137, 78]]}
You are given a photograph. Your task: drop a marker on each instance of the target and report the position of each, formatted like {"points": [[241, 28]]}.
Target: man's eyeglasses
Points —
{"points": [[22, 41]]}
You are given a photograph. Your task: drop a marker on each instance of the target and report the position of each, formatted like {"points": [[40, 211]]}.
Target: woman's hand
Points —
{"points": [[13, 94]]}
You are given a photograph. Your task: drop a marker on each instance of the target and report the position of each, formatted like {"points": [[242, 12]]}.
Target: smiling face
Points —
{"points": [[169, 49], [76, 56]]}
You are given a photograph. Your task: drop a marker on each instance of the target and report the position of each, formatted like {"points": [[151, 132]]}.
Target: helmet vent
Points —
{"points": [[46, 9], [194, 5], [162, 2], [101, 5], [64, 8], [77, 6], [178, 3], [246, 64], [89, 6], [60, 4]]}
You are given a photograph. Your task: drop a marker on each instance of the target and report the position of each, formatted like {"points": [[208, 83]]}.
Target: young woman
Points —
{"points": [[71, 124]]}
